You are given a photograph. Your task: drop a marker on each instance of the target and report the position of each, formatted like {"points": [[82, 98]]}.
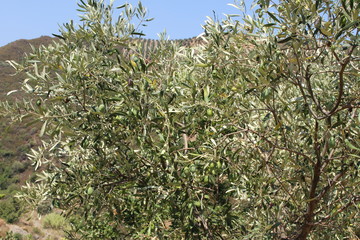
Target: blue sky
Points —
{"points": [[27, 19]]}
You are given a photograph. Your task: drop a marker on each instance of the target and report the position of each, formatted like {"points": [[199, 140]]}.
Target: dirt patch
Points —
{"points": [[3, 228], [30, 224]]}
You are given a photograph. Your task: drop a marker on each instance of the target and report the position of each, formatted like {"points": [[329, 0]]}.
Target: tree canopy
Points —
{"points": [[251, 134]]}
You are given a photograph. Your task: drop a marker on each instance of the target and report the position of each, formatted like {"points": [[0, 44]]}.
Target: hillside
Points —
{"points": [[16, 51], [15, 139]]}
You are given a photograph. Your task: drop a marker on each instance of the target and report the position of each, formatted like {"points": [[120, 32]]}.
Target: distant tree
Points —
{"points": [[253, 134]]}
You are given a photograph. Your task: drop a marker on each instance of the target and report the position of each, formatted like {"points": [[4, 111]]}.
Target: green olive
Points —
{"points": [[206, 179], [212, 165], [90, 190], [101, 108]]}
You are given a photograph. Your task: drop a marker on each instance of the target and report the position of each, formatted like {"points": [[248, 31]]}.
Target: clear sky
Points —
{"points": [[27, 19]]}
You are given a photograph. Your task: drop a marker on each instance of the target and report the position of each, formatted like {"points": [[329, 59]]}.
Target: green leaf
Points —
{"points": [[326, 32], [350, 145], [269, 24], [138, 34], [204, 65], [346, 28], [285, 39], [273, 17], [122, 6], [59, 36]]}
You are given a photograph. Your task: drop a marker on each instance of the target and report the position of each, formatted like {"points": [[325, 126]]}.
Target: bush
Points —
{"points": [[8, 173], [54, 221], [13, 188], [13, 236], [37, 231], [10, 209], [6, 153], [33, 177], [30, 237], [18, 167], [44, 207]]}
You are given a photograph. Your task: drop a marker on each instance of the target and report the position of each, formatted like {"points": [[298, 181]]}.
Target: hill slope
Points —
{"points": [[14, 141]]}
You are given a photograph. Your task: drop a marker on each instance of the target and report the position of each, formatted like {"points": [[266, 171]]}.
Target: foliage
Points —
{"points": [[37, 231], [54, 221], [10, 209], [253, 134], [13, 236], [45, 207], [8, 173]]}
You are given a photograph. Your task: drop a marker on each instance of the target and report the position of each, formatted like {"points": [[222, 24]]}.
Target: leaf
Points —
{"points": [[133, 64], [118, 69], [122, 6], [346, 28], [269, 24], [58, 36], [267, 117], [350, 145], [138, 34], [285, 40], [65, 164], [28, 87], [206, 93], [43, 128], [273, 17], [12, 91], [325, 32], [202, 65], [233, 5]]}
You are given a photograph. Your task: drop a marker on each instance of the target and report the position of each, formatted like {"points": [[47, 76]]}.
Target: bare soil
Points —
{"points": [[30, 224]]}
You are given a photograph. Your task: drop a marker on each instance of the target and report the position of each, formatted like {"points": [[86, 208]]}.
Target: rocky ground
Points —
{"points": [[30, 227]]}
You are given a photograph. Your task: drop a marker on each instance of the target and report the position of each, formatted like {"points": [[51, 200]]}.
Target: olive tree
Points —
{"points": [[251, 134], [296, 113]]}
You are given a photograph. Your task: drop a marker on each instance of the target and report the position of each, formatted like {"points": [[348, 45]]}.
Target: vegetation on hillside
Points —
{"points": [[16, 139], [252, 134]]}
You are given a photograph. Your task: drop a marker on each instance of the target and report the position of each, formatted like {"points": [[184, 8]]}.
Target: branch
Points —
{"points": [[310, 89], [331, 183], [308, 225], [341, 80], [298, 83], [349, 204], [271, 143], [267, 158]]}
